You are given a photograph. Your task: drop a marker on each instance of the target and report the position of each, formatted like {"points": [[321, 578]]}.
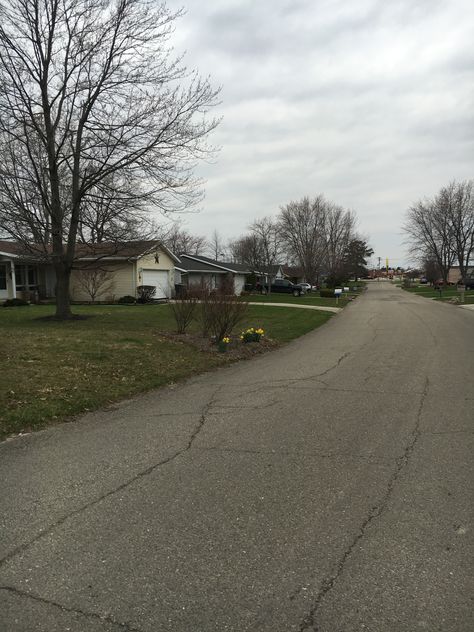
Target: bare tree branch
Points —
{"points": [[93, 107]]}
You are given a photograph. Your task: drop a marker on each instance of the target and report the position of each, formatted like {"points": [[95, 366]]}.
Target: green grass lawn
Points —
{"points": [[52, 370], [427, 291]]}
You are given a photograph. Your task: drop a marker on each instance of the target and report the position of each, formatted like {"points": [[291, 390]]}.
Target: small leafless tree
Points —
{"points": [[221, 311], [95, 282], [183, 309], [91, 95]]}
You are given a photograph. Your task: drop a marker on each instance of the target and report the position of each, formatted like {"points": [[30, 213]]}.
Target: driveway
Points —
{"points": [[326, 486]]}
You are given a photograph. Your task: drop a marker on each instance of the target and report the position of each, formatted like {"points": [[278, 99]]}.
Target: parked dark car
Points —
{"points": [[282, 286], [469, 283]]}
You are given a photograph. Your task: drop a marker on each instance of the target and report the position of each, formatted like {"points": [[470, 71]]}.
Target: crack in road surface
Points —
{"points": [[297, 453], [126, 627], [146, 472], [310, 623]]}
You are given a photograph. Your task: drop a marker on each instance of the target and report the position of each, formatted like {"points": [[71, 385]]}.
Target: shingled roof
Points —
{"points": [[198, 263], [105, 250]]}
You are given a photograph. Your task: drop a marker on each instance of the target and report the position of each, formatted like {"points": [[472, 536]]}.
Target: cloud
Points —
{"points": [[370, 102]]}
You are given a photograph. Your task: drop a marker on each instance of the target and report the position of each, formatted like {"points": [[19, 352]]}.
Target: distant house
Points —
{"points": [[27, 273], [199, 271], [454, 275], [294, 273], [270, 273]]}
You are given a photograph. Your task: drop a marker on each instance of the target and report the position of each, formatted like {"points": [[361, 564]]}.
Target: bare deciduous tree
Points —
{"points": [[112, 213], [183, 308], [431, 270], [430, 235], [89, 90], [180, 241], [221, 311], [247, 250], [216, 246], [441, 229], [267, 232], [339, 230], [302, 225], [95, 282], [456, 202]]}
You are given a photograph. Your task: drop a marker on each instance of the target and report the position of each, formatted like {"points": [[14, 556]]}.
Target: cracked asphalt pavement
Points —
{"points": [[326, 486]]}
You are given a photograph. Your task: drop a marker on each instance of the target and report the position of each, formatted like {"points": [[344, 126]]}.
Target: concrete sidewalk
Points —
{"points": [[318, 308]]}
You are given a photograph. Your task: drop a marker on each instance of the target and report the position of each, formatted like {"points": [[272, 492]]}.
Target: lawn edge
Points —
{"points": [[230, 362]]}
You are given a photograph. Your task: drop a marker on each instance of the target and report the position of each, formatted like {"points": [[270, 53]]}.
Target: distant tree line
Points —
{"points": [[313, 234], [440, 230]]}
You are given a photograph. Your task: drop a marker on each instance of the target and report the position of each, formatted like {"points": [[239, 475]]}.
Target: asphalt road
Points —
{"points": [[323, 487]]}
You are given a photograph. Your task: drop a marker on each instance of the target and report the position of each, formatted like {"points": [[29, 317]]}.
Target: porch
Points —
{"points": [[26, 280]]}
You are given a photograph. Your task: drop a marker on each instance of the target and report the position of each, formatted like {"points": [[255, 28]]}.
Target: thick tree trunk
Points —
{"points": [[63, 300]]}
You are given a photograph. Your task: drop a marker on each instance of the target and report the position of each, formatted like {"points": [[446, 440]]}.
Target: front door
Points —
{"points": [[3, 281]]}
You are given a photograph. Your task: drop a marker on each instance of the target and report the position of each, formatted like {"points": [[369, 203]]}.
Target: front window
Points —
{"points": [[26, 277], [3, 276]]}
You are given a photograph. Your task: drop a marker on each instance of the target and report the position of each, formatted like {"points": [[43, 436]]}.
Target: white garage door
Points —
{"points": [[158, 278]]}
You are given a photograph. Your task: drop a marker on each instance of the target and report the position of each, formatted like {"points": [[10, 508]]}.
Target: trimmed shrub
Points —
{"points": [[326, 293], [145, 293], [126, 300], [15, 302]]}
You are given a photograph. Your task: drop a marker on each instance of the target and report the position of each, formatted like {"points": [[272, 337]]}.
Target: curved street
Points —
{"points": [[323, 487]]}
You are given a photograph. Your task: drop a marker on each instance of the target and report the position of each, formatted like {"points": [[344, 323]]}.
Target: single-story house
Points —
{"points": [[114, 270], [127, 266], [294, 273], [23, 273], [199, 271], [270, 273], [454, 274]]}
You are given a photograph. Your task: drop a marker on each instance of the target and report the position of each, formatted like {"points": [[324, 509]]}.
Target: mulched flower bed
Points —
{"points": [[236, 350]]}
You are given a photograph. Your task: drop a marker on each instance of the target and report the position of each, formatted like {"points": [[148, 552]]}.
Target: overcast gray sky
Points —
{"points": [[370, 102]]}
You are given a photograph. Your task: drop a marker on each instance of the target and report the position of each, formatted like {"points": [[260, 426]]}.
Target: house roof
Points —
{"points": [[17, 249], [121, 250], [293, 271], [105, 250], [192, 263], [273, 269]]}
